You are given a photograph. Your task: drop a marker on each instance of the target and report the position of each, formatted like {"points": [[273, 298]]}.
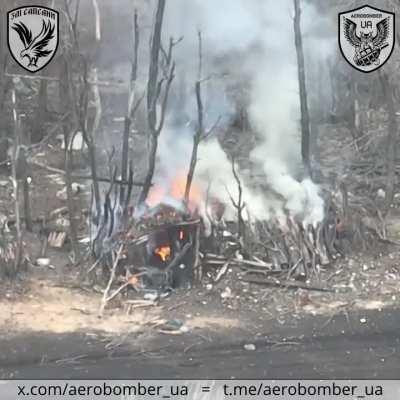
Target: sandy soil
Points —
{"points": [[45, 306], [60, 310], [52, 304]]}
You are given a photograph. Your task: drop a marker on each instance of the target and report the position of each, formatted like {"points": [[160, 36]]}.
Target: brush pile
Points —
{"points": [[168, 247]]}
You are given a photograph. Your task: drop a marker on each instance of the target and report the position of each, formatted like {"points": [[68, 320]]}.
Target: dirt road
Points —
{"points": [[357, 352]]}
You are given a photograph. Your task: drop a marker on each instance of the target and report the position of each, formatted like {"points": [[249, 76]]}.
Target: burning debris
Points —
{"points": [[159, 250], [166, 239], [167, 247]]}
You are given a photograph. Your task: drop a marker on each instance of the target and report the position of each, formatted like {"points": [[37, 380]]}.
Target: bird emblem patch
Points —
{"points": [[32, 33], [366, 37]]}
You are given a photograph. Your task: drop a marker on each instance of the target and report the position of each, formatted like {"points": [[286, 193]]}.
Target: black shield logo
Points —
{"points": [[32, 36], [366, 37]]}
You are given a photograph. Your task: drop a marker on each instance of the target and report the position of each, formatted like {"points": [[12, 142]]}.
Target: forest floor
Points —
{"points": [[50, 299]]}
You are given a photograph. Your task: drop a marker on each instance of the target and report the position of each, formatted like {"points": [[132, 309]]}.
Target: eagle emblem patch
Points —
{"points": [[366, 37], [32, 36]]}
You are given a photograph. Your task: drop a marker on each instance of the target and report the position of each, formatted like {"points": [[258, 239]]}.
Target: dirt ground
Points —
{"points": [[50, 299], [45, 301]]}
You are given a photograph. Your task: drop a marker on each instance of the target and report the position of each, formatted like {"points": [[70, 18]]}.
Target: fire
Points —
{"points": [[164, 252], [176, 190]]}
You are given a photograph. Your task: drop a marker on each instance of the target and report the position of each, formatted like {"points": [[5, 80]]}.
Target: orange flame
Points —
{"points": [[176, 190], [164, 252]]}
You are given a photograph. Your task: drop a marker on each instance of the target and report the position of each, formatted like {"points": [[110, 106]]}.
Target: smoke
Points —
{"points": [[257, 40]]}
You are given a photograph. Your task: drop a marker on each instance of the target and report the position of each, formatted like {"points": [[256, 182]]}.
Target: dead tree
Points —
{"points": [[5, 84], [21, 171], [200, 126], [239, 205], [15, 178], [80, 94], [200, 134], [155, 87], [391, 149], [132, 107], [356, 121], [305, 119], [38, 131], [65, 102], [82, 112], [89, 136]]}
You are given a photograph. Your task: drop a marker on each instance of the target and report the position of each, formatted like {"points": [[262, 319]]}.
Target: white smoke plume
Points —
{"points": [[258, 37]]}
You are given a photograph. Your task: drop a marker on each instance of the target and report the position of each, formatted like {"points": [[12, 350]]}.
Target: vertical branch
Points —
{"points": [[201, 133], [80, 97], [96, 92], [38, 123], [17, 141], [197, 268], [391, 149], [153, 92], [3, 66], [200, 55], [73, 230], [129, 115], [105, 297], [65, 101], [305, 119], [355, 110], [134, 62], [97, 20], [72, 22], [97, 102], [200, 125], [22, 176], [153, 68], [333, 105], [239, 205]]}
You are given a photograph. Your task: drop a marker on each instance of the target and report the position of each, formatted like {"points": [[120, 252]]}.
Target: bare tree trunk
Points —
{"points": [[73, 229], [4, 86], [22, 176], [356, 123], [65, 100], [27, 206], [391, 150], [151, 168], [124, 157], [200, 127], [80, 95], [40, 118], [240, 205], [305, 119], [93, 167], [81, 101], [153, 68], [196, 141], [15, 179], [333, 105], [152, 96], [129, 115], [90, 136]]}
